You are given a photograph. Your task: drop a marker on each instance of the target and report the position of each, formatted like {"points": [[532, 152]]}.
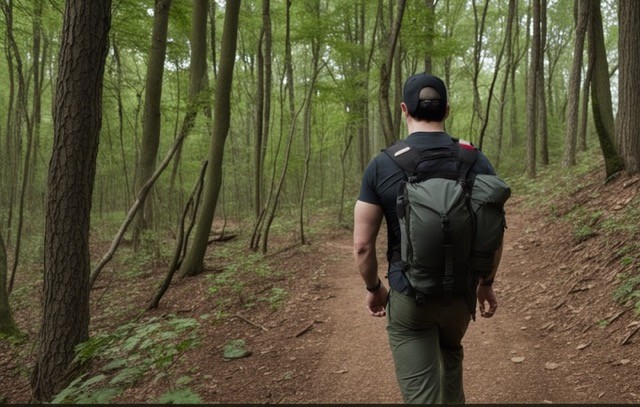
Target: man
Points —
{"points": [[425, 339]]}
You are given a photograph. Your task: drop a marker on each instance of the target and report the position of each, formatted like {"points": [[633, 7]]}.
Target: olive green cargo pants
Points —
{"points": [[426, 347]]}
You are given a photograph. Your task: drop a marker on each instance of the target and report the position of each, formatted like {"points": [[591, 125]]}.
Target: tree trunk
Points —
{"points": [[601, 92], [584, 108], [198, 78], [77, 121], [385, 77], [581, 13], [431, 13], [263, 104], [540, 88], [119, 100], [194, 261], [505, 80], [7, 324], [532, 94], [479, 26], [20, 117], [628, 125], [151, 119], [308, 113]]}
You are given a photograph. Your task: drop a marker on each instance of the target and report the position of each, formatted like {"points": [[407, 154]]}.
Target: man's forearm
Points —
{"points": [[367, 263], [497, 257]]}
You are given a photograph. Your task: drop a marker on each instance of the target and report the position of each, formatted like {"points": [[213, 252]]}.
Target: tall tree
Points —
{"points": [[385, 76], [479, 27], [601, 92], [198, 78], [540, 88], [193, 263], [77, 121], [532, 94], [628, 124], [151, 119], [263, 103], [509, 40], [581, 14]]}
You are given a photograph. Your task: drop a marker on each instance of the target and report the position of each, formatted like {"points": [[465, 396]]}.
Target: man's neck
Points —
{"points": [[416, 126]]}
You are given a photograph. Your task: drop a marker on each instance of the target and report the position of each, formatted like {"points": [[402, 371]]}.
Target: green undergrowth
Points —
{"points": [[571, 198], [135, 351], [238, 273]]}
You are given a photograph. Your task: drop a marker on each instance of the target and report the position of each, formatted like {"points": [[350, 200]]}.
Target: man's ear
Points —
{"points": [[403, 106]]}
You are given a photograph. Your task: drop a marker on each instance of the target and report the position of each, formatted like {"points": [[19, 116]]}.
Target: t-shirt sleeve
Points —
{"points": [[483, 165], [368, 192]]}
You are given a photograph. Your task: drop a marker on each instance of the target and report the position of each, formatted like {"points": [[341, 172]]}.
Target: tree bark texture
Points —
{"points": [[77, 122], [628, 124], [601, 92]]}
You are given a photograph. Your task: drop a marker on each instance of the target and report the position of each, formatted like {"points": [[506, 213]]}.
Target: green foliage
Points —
{"points": [[180, 396], [127, 355], [628, 290], [235, 349], [276, 297]]}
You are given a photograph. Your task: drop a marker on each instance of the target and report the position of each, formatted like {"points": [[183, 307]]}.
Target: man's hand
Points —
{"points": [[486, 294], [376, 301]]}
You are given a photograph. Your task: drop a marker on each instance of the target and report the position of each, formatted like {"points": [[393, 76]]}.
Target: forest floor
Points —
{"points": [[558, 335]]}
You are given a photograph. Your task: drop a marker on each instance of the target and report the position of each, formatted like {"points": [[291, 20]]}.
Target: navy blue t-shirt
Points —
{"points": [[380, 184]]}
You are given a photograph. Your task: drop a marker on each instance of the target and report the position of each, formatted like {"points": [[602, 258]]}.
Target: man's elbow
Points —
{"points": [[361, 249]]}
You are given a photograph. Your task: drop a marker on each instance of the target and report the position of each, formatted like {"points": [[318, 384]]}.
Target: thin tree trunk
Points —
{"points": [[178, 255], [151, 125], [123, 155], [77, 121], [581, 13], [194, 261], [385, 77], [511, 14], [20, 117], [485, 118], [8, 326], [532, 85], [308, 112], [540, 88], [584, 108], [198, 79], [479, 27]]}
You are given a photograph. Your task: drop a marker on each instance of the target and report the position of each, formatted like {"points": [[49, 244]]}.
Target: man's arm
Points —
{"points": [[485, 292], [367, 220]]}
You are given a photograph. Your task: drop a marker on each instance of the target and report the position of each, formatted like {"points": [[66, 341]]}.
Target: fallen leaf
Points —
{"points": [[583, 346], [551, 366], [518, 359], [625, 361]]}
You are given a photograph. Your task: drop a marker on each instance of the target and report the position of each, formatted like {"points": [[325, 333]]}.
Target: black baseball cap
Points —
{"points": [[415, 83]]}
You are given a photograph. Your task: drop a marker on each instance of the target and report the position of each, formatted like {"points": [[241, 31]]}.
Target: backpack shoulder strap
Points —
{"points": [[404, 155], [468, 155]]}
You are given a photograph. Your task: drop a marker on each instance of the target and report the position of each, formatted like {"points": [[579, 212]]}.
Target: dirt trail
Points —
{"points": [[356, 365]]}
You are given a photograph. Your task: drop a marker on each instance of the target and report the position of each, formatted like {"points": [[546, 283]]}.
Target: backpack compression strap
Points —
{"points": [[467, 155]]}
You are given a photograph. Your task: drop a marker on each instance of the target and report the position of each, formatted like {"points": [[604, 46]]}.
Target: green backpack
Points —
{"points": [[451, 222]]}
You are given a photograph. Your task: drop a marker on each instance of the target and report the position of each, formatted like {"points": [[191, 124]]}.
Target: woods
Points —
{"points": [[108, 112]]}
